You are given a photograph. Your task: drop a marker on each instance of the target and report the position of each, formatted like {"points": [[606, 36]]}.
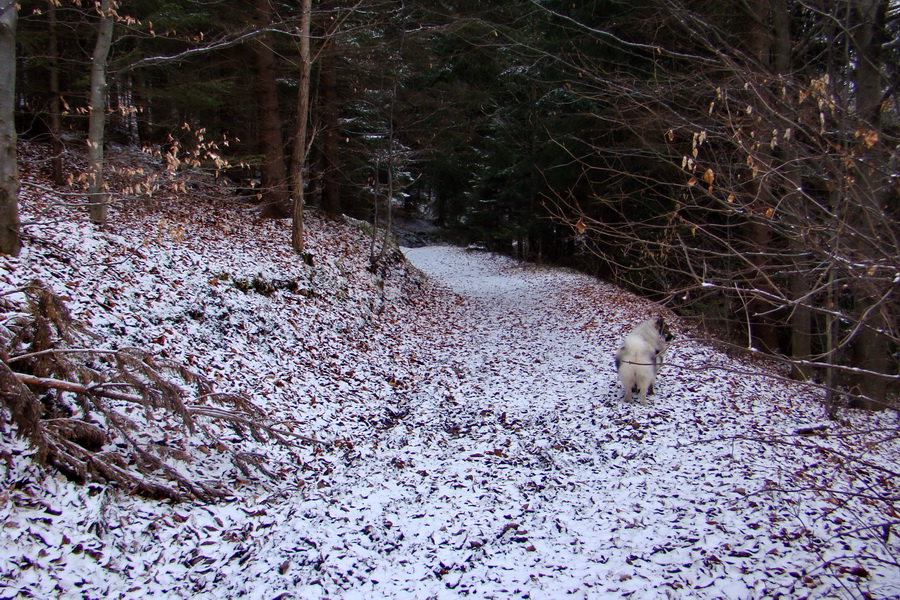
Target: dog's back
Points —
{"points": [[637, 361]]}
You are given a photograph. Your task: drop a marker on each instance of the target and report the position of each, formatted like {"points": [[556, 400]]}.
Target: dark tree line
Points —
{"points": [[736, 160]]}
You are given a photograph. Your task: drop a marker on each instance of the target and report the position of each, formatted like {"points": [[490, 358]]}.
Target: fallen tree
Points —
{"points": [[123, 417]]}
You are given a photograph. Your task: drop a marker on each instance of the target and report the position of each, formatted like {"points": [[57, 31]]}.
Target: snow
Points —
{"points": [[477, 442]]}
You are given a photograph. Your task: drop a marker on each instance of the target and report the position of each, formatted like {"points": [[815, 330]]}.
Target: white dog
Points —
{"points": [[640, 356]]}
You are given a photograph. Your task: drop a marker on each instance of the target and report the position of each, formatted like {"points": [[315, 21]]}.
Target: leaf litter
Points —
{"points": [[475, 442]]}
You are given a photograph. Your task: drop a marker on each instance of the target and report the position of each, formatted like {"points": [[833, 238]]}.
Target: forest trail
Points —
{"points": [[476, 444], [531, 338], [603, 497]]}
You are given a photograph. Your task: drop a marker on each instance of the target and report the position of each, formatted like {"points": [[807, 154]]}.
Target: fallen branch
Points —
{"points": [[141, 404], [76, 388], [56, 351], [811, 430], [193, 409], [226, 415]]}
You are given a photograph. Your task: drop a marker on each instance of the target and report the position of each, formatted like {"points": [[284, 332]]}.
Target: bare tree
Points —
{"points": [[749, 191], [9, 176], [298, 160], [99, 207]]}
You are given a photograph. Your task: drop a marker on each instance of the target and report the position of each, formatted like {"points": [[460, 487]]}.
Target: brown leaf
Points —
{"points": [[870, 138], [580, 227], [859, 572]]}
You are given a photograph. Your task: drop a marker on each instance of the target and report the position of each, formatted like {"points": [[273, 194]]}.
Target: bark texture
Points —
{"points": [[9, 177]]}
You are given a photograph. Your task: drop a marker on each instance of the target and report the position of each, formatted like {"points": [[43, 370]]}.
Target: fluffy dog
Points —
{"points": [[640, 356]]}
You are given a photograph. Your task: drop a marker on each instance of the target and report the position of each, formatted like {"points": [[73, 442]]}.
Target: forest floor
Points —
{"points": [[473, 438]]}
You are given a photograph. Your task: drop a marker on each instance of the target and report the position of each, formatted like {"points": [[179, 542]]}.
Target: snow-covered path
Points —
{"points": [[529, 334], [475, 442], [479, 449], [533, 479]]}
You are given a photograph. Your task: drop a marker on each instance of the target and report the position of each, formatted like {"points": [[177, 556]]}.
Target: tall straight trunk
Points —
{"points": [[275, 194], [129, 113], [801, 313], [781, 44], [98, 208], [56, 163], [764, 334], [9, 172], [331, 200], [868, 35], [389, 199], [300, 147], [391, 168], [143, 99], [869, 32]]}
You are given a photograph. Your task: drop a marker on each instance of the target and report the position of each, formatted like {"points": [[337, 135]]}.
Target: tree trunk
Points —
{"points": [[871, 350], [868, 32], [9, 173], [56, 163], [799, 288], [275, 194], [389, 200], [300, 147], [801, 315], [98, 208], [764, 335], [331, 200], [391, 170]]}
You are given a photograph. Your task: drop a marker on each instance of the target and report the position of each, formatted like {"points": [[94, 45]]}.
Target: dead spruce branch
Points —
{"points": [[124, 417]]}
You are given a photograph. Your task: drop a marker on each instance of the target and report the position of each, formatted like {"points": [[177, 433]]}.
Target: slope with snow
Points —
{"points": [[476, 446]]}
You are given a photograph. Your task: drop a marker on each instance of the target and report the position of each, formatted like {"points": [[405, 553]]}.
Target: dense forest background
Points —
{"points": [[737, 161]]}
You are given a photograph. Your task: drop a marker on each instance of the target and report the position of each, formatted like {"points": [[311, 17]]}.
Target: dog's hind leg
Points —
{"points": [[643, 396]]}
